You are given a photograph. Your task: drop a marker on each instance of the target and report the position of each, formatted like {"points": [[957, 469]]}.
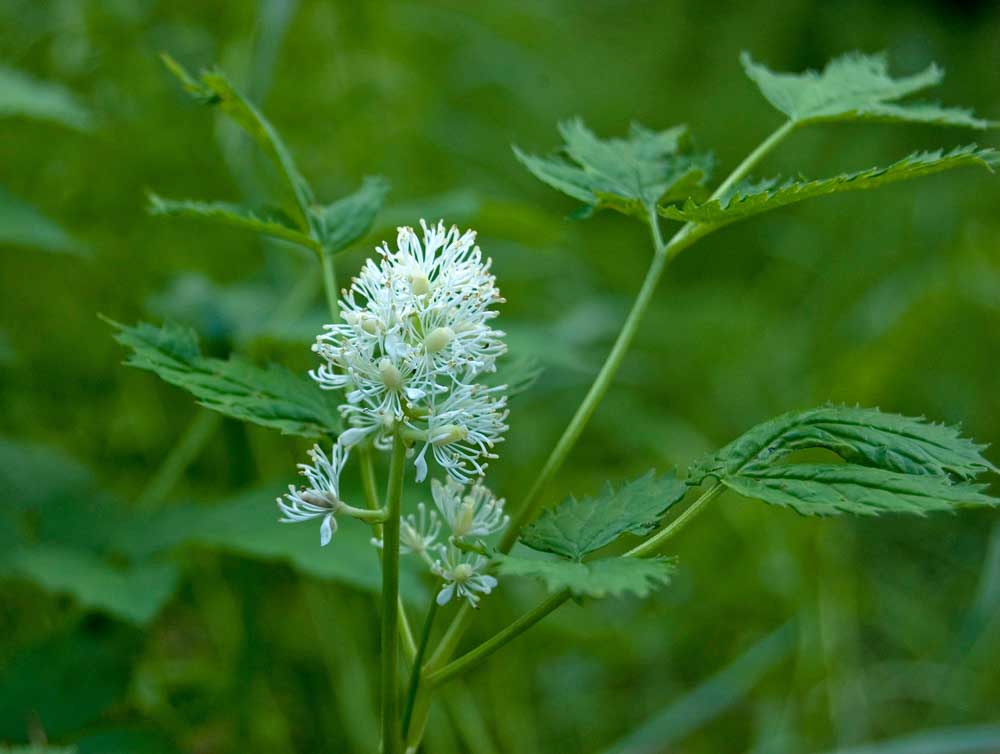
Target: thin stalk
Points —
{"points": [[418, 662], [330, 284], [479, 654], [391, 742]]}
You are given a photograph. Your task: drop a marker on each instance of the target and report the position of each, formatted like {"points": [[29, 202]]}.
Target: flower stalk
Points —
{"points": [[391, 741]]}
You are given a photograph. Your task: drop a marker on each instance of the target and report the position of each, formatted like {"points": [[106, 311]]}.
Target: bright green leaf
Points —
{"points": [[595, 578], [22, 95], [272, 396], [751, 199], [855, 87], [23, 225], [574, 529], [136, 593], [340, 224], [274, 224], [214, 88], [629, 175]]}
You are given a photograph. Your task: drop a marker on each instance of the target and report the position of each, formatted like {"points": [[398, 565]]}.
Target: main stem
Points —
{"points": [[330, 284], [390, 601]]}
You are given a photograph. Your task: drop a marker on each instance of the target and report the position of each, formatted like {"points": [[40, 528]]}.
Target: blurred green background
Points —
{"points": [[149, 602]]}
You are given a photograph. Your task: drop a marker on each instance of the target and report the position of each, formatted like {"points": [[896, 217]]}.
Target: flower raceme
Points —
{"points": [[414, 340]]}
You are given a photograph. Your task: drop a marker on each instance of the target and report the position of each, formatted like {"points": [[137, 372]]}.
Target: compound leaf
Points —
{"points": [[272, 396], [894, 464], [749, 199], [574, 529], [595, 578], [629, 175], [855, 87]]}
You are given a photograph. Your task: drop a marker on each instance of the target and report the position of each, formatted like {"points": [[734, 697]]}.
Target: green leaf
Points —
{"points": [[629, 175], [855, 87], [272, 396], [574, 529], [22, 95], [214, 88], [23, 225], [595, 578], [749, 199], [894, 464], [136, 593], [864, 436], [340, 224], [275, 224], [829, 490]]}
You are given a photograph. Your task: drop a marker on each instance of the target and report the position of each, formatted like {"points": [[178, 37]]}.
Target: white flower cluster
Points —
{"points": [[414, 340], [476, 513]]}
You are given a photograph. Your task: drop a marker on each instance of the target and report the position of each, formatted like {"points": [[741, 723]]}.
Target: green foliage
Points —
{"points": [[629, 175], [895, 464], [22, 95], [23, 225], [749, 199], [275, 224], [272, 397], [135, 593], [343, 222], [37, 750], [596, 578], [214, 88], [574, 529], [856, 87]]}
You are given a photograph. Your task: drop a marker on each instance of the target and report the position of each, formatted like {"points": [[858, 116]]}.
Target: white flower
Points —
{"points": [[321, 498], [461, 572], [476, 514], [414, 334], [462, 429], [418, 533]]}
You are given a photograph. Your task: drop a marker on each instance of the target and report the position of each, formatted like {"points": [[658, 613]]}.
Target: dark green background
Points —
{"points": [[888, 298]]}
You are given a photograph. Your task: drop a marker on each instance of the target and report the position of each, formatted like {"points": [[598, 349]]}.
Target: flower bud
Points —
{"points": [[391, 376], [419, 284], [450, 433], [438, 338]]}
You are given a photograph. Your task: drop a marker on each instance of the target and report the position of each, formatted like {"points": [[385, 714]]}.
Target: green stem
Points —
{"points": [[330, 284], [390, 601], [479, 654], [418, 662], [651, 545], [663, 253]]}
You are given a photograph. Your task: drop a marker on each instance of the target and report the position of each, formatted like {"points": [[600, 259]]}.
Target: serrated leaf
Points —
{"points": [[855, 87], [751, 199], [629, 175], [272, 396], [894, 464], [136, 593], [864, 436], [595, 578], [340, 224], [274, 224], [21, 224], [829, 490], [214, 88], [574, 529], [25, 96]]}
